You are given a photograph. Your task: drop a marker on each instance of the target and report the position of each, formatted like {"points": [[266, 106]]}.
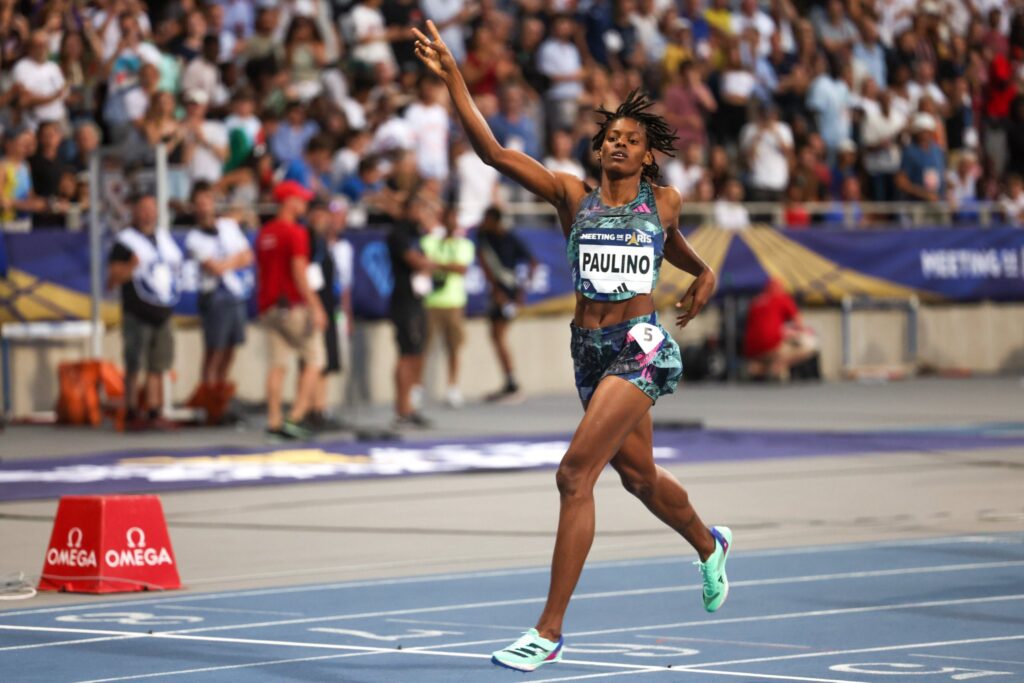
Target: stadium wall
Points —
{"points": [[980, 338]]}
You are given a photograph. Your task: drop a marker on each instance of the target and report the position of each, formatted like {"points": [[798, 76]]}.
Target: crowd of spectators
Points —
{"points": [[791, 101]]}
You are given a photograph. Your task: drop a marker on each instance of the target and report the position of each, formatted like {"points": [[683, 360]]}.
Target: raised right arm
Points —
{"points": [[522, 168]]}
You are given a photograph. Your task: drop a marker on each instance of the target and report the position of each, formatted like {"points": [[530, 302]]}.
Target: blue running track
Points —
{"points": [[925, 610]]}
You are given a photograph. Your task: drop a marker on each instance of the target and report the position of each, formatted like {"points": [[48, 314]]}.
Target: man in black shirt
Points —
{"points": [[47, 172], [47, 168], [146, 264], [500, 252], [411, 271], [318, 223]]}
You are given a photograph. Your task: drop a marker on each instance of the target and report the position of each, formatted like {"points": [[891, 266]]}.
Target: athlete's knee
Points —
{"points": [[573, 480]]}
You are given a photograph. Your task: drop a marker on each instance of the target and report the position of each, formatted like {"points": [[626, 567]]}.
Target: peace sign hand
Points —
{"points": [[434, 53]]}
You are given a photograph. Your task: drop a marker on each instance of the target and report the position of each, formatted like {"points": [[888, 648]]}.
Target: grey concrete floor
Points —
{"points": [[333, 531], [822, 406]]}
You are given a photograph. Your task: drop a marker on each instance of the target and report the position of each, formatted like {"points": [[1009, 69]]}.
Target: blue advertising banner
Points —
{"points": [[48, 274]]}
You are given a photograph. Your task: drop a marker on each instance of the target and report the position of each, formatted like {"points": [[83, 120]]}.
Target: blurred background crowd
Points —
{"points": [[790, 101]]}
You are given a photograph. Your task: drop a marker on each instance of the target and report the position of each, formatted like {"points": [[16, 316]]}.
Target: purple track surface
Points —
{"points": [[216, 467]]}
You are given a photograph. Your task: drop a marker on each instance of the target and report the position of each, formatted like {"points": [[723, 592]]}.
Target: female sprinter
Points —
{"points": [[624, 360]]}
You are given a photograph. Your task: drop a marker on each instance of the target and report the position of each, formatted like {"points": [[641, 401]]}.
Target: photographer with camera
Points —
{"points": [[446, 304]]}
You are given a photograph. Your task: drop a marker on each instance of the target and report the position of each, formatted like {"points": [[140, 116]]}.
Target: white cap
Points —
{"points": [[150, 53], [923, 122], [197, 96], [304, 8], [847, 145]]}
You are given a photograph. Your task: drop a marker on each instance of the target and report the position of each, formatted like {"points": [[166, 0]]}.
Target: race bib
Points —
{"points": [[647, 336], [613, 268]]}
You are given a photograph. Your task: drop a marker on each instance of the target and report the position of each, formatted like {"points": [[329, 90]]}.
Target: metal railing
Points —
{"points": [[900, 214]]}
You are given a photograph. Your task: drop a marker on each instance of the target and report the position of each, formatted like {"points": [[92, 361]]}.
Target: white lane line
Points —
{"points": [[580, 634], [774, 677], [606, 674], [611, 594], [1012, 539], [663, 670], [195, 608], [103, 639], [811, 613], [763, 617], [64, 629], [673, 670], [208, 669], [860, 650], [464, 624], [580, 662], [357, 649], [971, 659], [780, 646]]}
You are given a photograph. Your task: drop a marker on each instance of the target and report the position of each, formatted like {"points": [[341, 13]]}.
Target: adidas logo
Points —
{"points": [[621, 289]]}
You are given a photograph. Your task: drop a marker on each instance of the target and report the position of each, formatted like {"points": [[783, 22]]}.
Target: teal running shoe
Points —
{"points": [[716, 584], [529, 652]]}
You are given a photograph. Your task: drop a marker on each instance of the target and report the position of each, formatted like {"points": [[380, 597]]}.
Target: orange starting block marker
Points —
{"points": [[109, 544]]}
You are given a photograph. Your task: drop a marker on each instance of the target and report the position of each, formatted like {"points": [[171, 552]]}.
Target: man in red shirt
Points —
{"points": [[775, 338], [289, 308]]}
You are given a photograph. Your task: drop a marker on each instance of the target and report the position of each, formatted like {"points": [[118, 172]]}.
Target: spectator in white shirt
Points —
{"points": [[751, 16], [561, 160], [203, 74], [729, 212], [962, 184], [224, 256], [767, 146], [369, 37], [646, 20], [559, 59], [429, 121], [478, 184], [451, 18], [41, 89], [206, 140], [108, 20], [924, 85], [830, 99], [1012, 202], [685, 175], [226, 37], [881, 146]]}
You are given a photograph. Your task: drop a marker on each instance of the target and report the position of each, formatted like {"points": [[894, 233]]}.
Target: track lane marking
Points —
{"points": [[190, 634], [861, 650], [688, 639], [1000, 539], [972, 659], [615, 594]]}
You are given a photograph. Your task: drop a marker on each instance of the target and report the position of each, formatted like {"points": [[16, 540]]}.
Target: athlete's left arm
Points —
{"points": [[680, 254]]}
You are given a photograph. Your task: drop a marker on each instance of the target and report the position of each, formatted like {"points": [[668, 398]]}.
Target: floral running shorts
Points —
{"points": [[639, 351]]}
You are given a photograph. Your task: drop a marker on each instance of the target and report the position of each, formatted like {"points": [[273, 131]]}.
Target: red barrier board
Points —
{"points": [[109, 544]]}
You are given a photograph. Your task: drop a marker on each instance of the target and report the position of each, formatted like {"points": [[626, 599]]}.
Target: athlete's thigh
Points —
{"points": [[635, 458], [615, 408]]}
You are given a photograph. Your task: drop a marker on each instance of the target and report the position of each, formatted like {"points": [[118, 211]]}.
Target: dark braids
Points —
{"points": [[659, 136]]}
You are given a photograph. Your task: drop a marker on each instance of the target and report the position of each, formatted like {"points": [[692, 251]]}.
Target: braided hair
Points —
{"points": [[659, 136]]}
